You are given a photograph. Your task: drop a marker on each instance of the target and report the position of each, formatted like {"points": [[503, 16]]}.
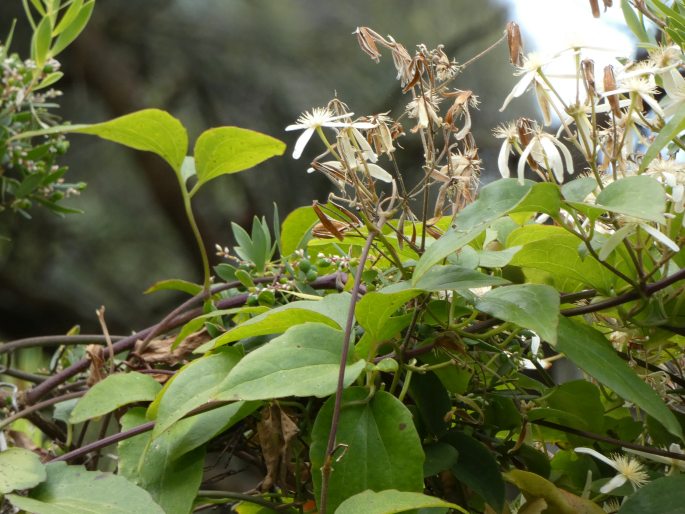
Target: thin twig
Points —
{"points": [[38, 406], [44, 341], [105, 332]]}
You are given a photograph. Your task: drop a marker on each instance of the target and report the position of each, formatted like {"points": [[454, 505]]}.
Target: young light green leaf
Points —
{"points": [[440, 249], [193, 385], [531, 306], [68, 17], [667, 134], [331, 310], [638, 196], [72, 31], [442, 278], [174, 285], [20, 469], [74, 490], [296, 229], [113, 392], [49, 80], [543, 197], [374, 309], [391, 501], [633, 22], [40, 43], [382, 449], [665, 495], [304, 361], [150, 130], [494, 200], [225, 150], [590, 351]]}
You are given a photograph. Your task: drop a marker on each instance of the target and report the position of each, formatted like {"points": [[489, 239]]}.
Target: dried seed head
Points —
{"points": [[610, 85], [515, 44], [588, 67], [367, 41], [594, 4]]}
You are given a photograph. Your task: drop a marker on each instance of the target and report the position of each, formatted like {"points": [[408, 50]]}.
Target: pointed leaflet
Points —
{"points": [[639, 196], [331, 310], [19, 469], [374, 309], [74, 490], [531, 306], [382, 447], [192, 386], [665, 496], [304, 361], [590, 351], [441, 278], [391, 501], [440, 249], [224, 150], [113, 392], [296, 229], [497, 199]]}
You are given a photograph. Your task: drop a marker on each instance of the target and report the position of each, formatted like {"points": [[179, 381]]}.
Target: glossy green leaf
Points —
{"points": [[531, 306], [590, 351], [390, 502], [558, 501], [375, 308], [494, 200], [73, 490], [330, 310], [70, 32], [382, 449], [20, 469], [554, 250], [477, 468], [113, 392], [665, 496], [442, 278], [440, 249], [296, 229], [638, 196], [174, 285], [193, 385], [304, 361], [224, 150]]}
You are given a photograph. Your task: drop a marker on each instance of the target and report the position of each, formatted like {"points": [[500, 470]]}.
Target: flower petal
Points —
{"points": [[596, 455], [503, 159], [614, 483], [522, 161], [518, 89], [302, 142], [553, 158], [659, 236], [379, 173]]}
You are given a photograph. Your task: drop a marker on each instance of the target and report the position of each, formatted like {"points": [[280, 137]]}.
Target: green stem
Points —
{"points": [[198, 237]]}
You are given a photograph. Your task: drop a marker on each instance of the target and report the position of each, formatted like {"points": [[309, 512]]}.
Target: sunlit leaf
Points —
{"points": [[390, 502], [19, 469]]}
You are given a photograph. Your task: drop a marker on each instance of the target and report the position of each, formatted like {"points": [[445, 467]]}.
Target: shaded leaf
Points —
{"points": [[304, 361], [74, 490], [638, 196], [494, 200], [19, 469], [382, 449], [449, 277], [665, 496], [391, 501], [440, 249], [113, 392]]}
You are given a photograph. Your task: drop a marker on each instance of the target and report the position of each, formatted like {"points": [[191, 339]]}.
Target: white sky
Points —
{"points": [[551, 25]]}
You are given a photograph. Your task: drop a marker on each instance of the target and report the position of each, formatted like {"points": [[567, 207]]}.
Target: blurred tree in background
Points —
{"points": [[250, 63]]}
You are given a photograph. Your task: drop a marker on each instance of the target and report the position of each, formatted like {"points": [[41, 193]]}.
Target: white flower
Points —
{"points": [[643, 86], [671, 462], [545, 151], [374, 170], [532, 64], [628, 470], [630, 228], [674, 85], [320, 117], [509, 134], [425, 109]]}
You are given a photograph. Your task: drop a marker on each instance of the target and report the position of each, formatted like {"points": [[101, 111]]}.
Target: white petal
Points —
{"points": [[518, 89], [653, 104], [503, 159], [302, 142], [535, 344], [522, 161], [596, 455], [379, 173], [567, 155], [614, 483], [662, 238], [367, 151], [553, 158], [296, 126], [362, 125], [674, 84], [543, 102]]}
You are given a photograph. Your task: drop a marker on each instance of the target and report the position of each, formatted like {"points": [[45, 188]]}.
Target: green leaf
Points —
{"points": [[558, 501], [543, 197], [442, 278], [439, 457], [113, 392], [665, 495], [225, 150], [174, 285], [72, 31], [497, 258], [68, 17], [40, 43], [531, 306], [432, 402], [494, 200], [589, 350], [296, 229], [193, 385], [73, 490], [577, 190], [554, 250], [380, 447], [477, 468], [638, 196], [633, 22], [668, 132], [375, 309], [331, 310], [391, 501], [440, 249], [305, 361], [19, 469], [49, 80], [149, 130]]}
